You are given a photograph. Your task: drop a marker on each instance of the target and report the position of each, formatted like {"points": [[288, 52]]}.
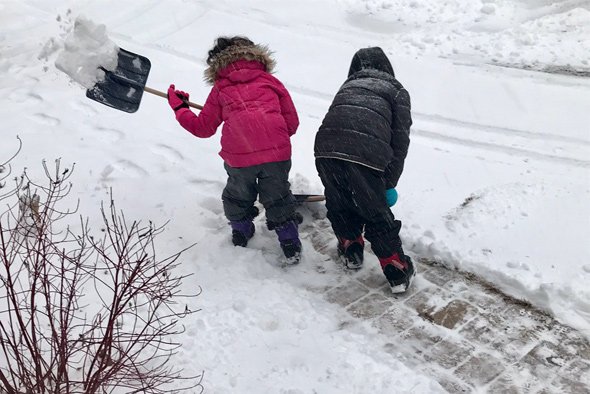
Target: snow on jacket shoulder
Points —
{"points": [[256, 110]]}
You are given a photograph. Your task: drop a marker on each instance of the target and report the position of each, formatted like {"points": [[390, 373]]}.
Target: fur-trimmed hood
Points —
{"points": [[229, 55]]}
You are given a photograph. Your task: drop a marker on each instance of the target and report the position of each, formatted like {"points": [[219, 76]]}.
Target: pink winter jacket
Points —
{"points": [[258, 115]]}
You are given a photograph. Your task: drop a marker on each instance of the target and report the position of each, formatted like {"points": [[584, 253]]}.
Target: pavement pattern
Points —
{"points": [[464, 333]]}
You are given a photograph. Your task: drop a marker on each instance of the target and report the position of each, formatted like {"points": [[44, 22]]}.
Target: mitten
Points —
{"points": [[177, 99], [391, 197]]}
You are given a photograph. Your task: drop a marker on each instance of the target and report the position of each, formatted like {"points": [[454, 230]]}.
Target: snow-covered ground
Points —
{"points": [[497, 181]]}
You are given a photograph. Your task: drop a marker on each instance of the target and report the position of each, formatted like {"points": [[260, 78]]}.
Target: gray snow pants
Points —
{"points": [[269, 182]]}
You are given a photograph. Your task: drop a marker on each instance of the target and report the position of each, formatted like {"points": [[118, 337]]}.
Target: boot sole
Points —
{"points": [[290, 261], [241, 240], [351, 265], [403, 287]]}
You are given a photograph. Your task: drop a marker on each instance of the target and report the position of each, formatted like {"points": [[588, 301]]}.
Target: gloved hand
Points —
{"points": [[177, 99], [391, 197]]}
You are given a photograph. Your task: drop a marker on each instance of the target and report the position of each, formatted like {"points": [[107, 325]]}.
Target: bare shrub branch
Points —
{"points": [[126, 334]]}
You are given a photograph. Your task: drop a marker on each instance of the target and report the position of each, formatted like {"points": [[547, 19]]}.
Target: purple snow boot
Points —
{"points": [[289, 238], [242, 231]]}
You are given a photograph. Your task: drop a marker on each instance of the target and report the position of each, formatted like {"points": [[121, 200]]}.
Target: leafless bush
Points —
{"points": [[123, 337]]}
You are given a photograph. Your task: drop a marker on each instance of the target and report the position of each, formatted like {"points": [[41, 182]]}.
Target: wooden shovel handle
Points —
{"points": [[162, 94], [317, 198]]}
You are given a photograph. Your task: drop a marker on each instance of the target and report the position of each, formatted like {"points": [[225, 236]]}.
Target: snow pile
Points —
{"points": [[545, 35], [86, 50]]}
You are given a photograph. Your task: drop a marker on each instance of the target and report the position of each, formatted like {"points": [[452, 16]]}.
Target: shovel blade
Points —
{"points": [[122, 88]]}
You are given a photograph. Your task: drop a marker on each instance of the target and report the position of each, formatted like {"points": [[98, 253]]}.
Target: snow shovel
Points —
{"points": [[301, 198], [123, 87]]}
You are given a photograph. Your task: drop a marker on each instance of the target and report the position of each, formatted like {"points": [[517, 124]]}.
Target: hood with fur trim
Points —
{"points": [[259, 53]]}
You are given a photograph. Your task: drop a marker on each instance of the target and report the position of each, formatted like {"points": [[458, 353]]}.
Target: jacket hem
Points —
{"points": [[337, 157], [254, 158]]}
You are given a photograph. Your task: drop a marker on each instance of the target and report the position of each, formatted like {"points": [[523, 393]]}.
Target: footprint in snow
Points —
{"points": [[24, 96], [83, 107], [107, 134], [46, 119], [169, 153], [108, 170], [123, 166], [130, 168], [212, 204], [16, 69], [206, 186]]}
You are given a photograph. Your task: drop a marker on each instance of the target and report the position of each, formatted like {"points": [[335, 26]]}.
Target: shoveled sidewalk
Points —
{"points": [[463, 333]]}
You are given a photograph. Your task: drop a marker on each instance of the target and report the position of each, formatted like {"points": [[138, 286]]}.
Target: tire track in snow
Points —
{"points": [[335, 34], [183, 25], [504, 131], [339, 35], [135, 13], [443, 120], [160, 48], [506, 147], [509, 150], [486, 145]]}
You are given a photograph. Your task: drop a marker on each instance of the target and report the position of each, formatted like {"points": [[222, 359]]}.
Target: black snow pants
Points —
{"points": [[269, 182], [355, 200]]}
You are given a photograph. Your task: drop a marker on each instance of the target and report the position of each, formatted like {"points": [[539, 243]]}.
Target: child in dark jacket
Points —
{"points": [[360, 150], [258, 119]]}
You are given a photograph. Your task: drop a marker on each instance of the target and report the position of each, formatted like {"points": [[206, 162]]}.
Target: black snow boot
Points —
{"points": [[399, 271], [351, 252]]}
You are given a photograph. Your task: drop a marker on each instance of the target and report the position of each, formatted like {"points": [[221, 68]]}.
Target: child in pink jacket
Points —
{"points": [[258, 119]]}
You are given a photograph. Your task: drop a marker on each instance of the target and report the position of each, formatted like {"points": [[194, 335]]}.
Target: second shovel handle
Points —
{"points": [[162, 94]]}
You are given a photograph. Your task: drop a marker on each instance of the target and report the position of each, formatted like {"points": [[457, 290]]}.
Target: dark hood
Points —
{"points": [[370, 58]]}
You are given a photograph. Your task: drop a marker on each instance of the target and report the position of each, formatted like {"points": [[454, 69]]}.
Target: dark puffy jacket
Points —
{"points": [[369, 120]]}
